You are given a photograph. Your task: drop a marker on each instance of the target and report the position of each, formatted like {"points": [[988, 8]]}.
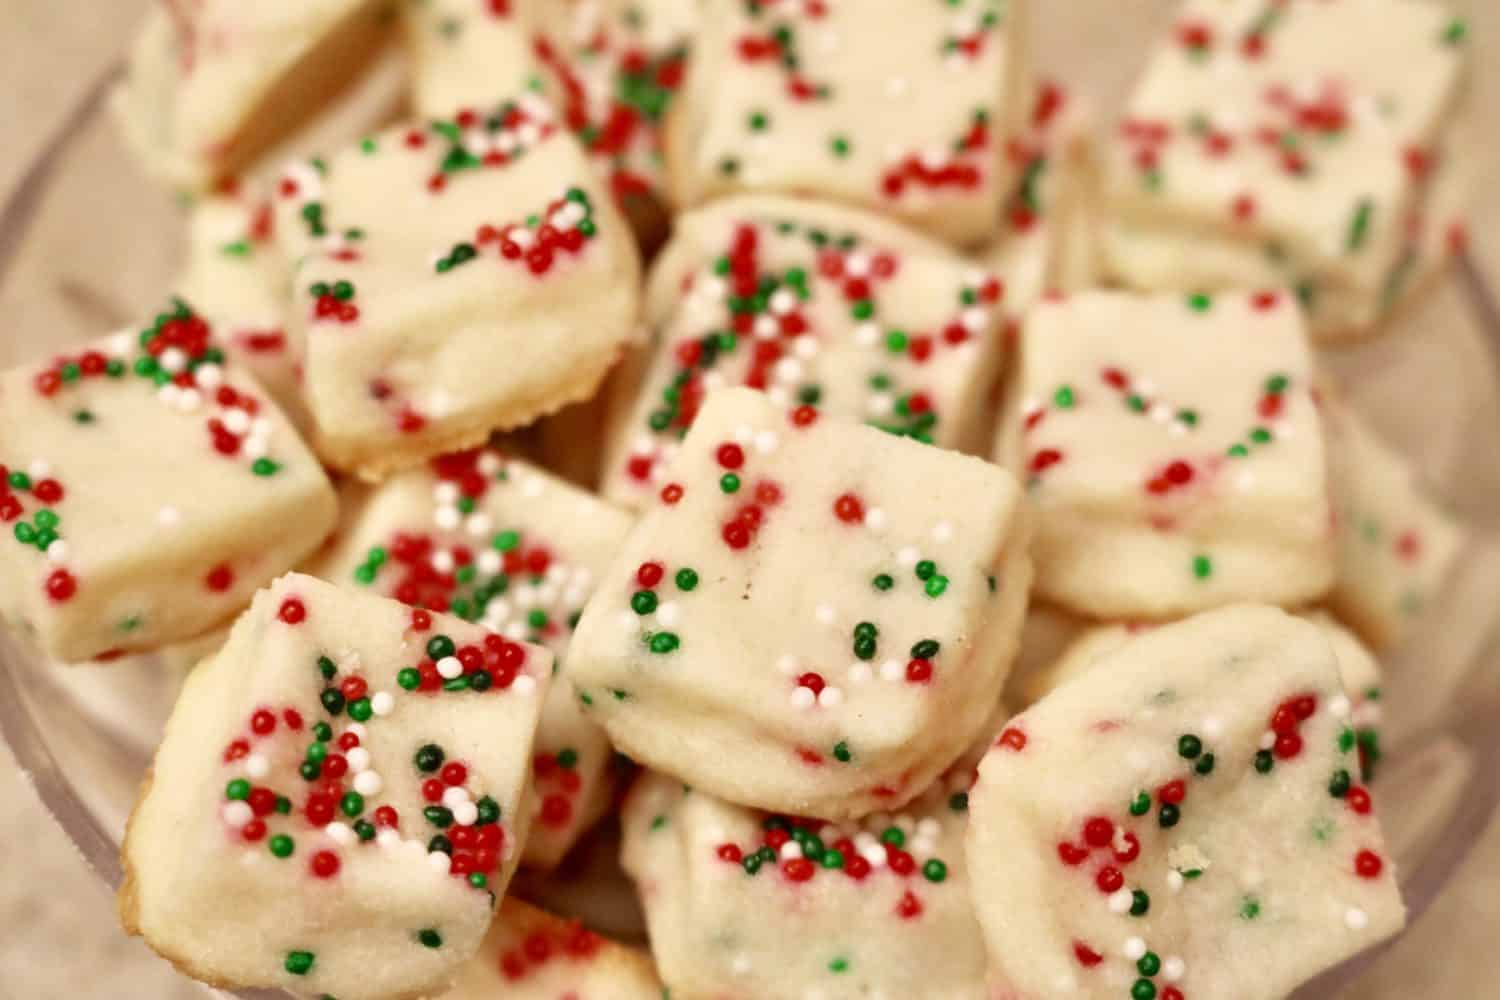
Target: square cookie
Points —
{"points": [[213, 86], [235, 277], [1397, 546], [455, 278], [844, 604], [350, 774], [897, 107], [1184, 821], [818, 305], [149, 489], [500, 542], [1171, 452], [741, 903], [1296, 131], [530, 954], [611, 68]]}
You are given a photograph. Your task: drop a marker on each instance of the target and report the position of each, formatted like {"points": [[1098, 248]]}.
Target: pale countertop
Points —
{"points": [[60, 937]]}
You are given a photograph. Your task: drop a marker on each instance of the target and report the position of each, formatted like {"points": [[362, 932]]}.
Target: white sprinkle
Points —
{"points": [[928, 827], [532, 487], [1120, 900], [169, 517], [1356, 919], [891, 670], [236, 421], [1267, 740], [439, 861], [873, 853], [867, 334], [168, 394], [766, 441], [782, 301], [489, 562], [1175, 880], [669, 613], [879, 404], [119, 346], [447, 518], [908, 556], [478, 525], [39, 469], [875, 519], [489, 464], [740, 965], [449, 667], [860, 673], [803, 697], [454, 794], [831, 697], [515, 631], [744, 434], [388, 839], [237, 813], [1244, 479], [1173, 968], [790, 850], [368, 782], [805, 347], [357, 728], [975, 319], [942, 531], [57, 552], [340, 833], [857, 264], [1135, 948], [825, 614], [256, 765], [1338, 704], [446, 493], [787, 664], [465, 813], [189, 400], [525, 685], [381, 703], [442, 561], [1213, 727], [173, 360]]}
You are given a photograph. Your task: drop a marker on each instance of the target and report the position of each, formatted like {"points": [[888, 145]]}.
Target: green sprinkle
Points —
{"points": [[729, 483], [1203, 567], [936, 586], [1359, 225], [1144, 989], [840, 146], [643, 602], [1200, 302], [1189, 746], [1169, 815], [430, 938], [1063, 398], [959, 802], [841, 752], [883, 581], [281, 845], [687, 579], [237, 790], [1338, 785], [352, 804], [934, 870], [1141, 804], [664, 642], [1249, 908], [1205, 764], [1149, 964], [1140, 903], [838, 965], [299, 963], [409, 679], [1264, 761]]}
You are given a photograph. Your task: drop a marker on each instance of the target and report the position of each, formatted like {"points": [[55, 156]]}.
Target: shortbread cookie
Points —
{"points": [[611, 67], [820, 306], [148, 489], [235, 277], [500, 542], [1396, 545], [1358, 671], [1293, 135], [338, 801], [746, 905], [902, 108], [458, 277], [1047, 239], [1185, 822], [212, 86], [1172, 453], [532, 955], [841, 603]]}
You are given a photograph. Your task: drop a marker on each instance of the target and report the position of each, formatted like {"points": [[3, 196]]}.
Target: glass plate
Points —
{"points": [[87, 245]]}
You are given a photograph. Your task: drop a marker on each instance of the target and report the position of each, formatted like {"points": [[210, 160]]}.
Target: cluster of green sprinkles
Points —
{"points": [[804, 848], [646, 602]]}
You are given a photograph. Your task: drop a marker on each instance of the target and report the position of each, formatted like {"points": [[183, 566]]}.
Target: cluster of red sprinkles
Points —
{"points": [[962, 171], [779, 44], [571, 942], [749, 514], [808, 855]]}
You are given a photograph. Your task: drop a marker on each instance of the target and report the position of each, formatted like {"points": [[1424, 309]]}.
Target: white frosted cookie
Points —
{"points": [[611, 67], [338, 801], [822, 307], [1171, 452], [440, 266], [503, 543], [841, 603], [235, 277], [1047, 240], [1287, 138], [1183, 823], [530, 954], [213, 86], [148, 490], [1358, 671], [898, 107], [1397, 546], [743, 905]]}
